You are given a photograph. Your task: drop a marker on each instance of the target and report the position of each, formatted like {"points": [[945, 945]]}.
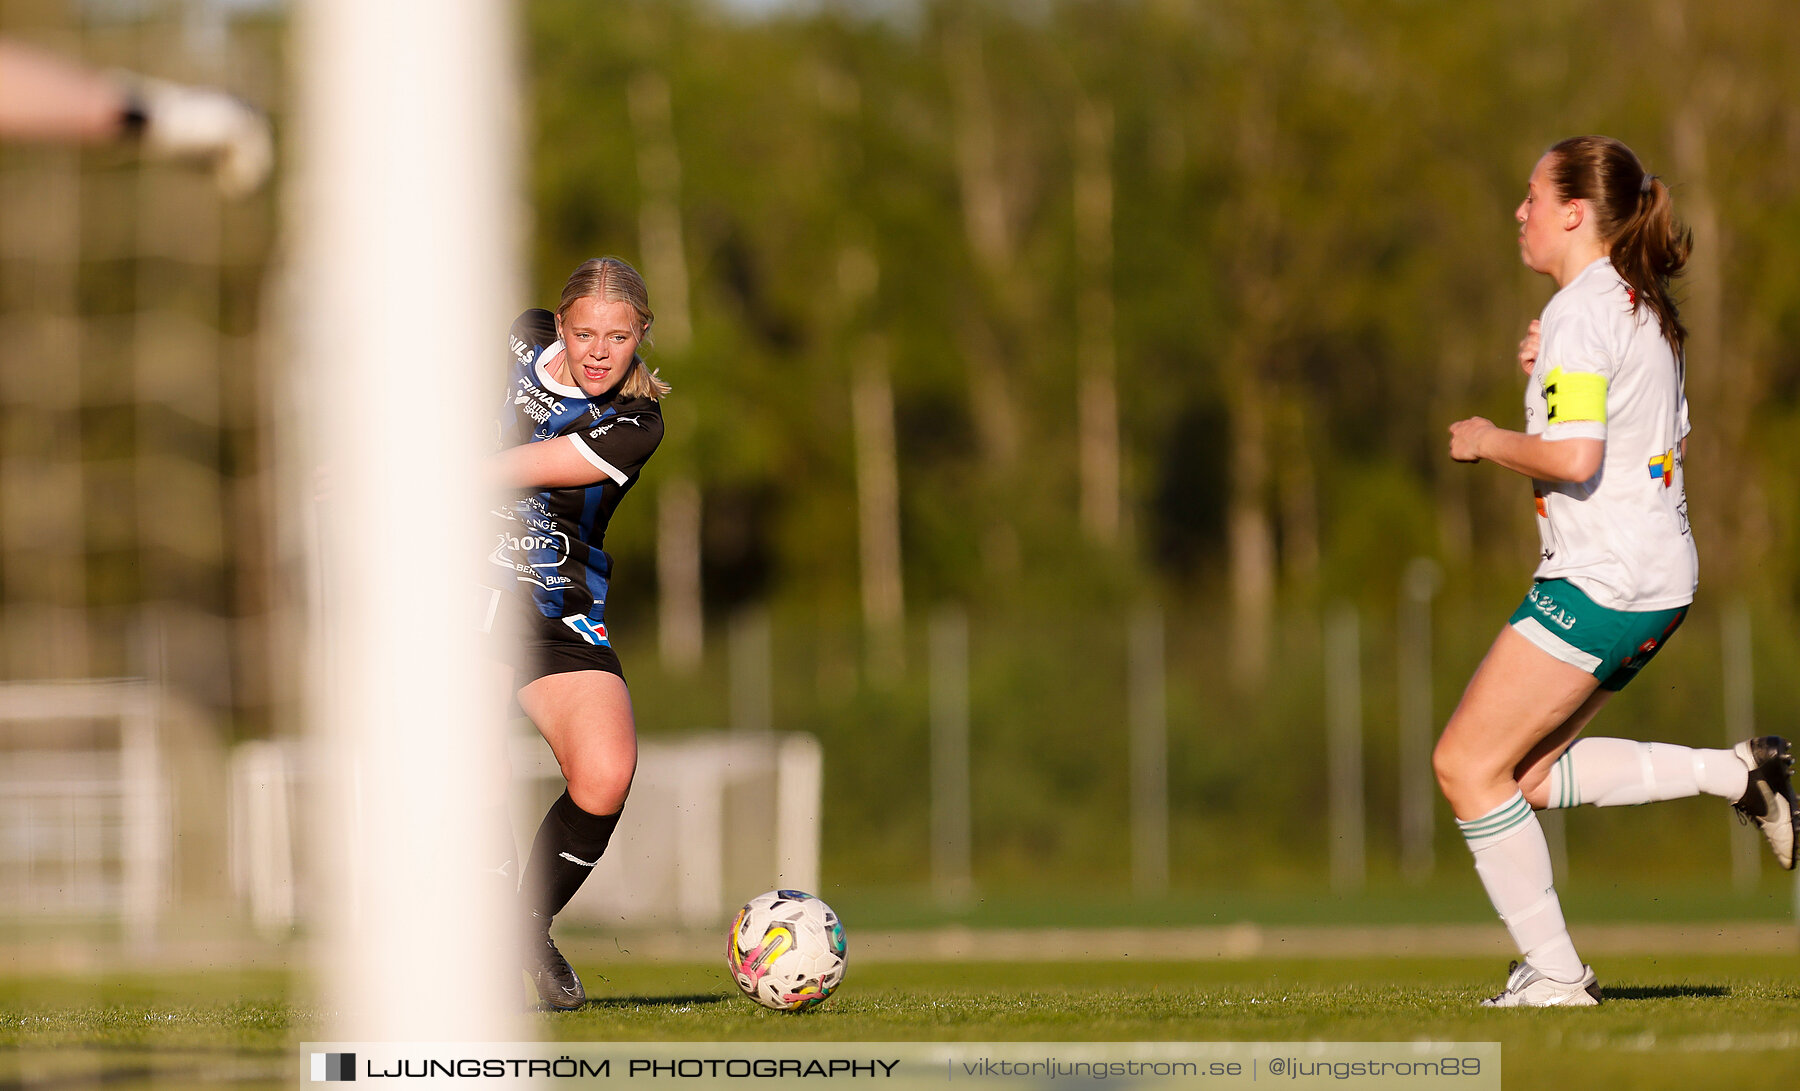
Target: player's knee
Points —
{"points": [[1455, 769], [1468, 777], [1443, 766], [599, 787], [598, 795]]}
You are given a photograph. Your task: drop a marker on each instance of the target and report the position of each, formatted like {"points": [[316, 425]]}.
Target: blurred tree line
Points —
{"points": [[1055, 307], [1158, 292]]}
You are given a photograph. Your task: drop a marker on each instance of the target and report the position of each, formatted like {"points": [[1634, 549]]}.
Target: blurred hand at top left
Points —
{"points": [[46, 98]]}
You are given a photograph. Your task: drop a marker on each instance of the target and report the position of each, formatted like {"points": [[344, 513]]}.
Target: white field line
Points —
{"points": [[1233, 942], [1651, 1042], [1251, 941]]}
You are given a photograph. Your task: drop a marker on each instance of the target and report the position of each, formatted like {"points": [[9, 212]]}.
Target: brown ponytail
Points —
{"points": [[1635, 215]]}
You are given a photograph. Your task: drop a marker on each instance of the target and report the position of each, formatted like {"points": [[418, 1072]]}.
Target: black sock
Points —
{"points": [[569, 843]]}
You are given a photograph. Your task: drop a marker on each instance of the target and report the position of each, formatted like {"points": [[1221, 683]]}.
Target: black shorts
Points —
{"points": [[542, 646]]}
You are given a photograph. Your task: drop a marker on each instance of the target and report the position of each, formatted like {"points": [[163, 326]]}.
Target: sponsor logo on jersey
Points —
{"points": [[540, 405], [533, 557], [1662, 468], [589, 630], [525, 543], [608, 426], [1553, 613]]}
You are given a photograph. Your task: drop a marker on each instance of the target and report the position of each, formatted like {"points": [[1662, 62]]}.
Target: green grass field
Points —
{"points": [[1674, 1022]]}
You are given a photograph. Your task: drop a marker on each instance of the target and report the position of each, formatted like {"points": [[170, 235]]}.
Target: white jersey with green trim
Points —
{"points": [[1604, 372]]}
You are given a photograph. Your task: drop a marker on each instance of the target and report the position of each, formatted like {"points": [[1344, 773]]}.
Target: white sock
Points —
{"points": [[1624, 773], [1513, 860]]}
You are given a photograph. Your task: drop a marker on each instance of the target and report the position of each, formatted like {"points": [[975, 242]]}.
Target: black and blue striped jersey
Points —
{"points": [[550, 540]]}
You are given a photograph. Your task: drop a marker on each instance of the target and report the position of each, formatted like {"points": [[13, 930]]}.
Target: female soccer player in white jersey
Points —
{"points": [[580, 419], [1605, 427]]}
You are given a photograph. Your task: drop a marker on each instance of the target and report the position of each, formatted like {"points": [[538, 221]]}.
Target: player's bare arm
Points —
{"points": [[46, 98], [1478, 439], [548, 464]]}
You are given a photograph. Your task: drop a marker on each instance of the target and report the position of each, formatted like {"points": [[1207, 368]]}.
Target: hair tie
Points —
{"points": [[1644, 186]]}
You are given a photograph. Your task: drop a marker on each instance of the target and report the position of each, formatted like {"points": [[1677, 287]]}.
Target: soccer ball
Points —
{"points": [[786, 950]]}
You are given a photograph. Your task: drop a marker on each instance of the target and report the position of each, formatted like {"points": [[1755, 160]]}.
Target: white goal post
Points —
{"points": [[406, 233]]}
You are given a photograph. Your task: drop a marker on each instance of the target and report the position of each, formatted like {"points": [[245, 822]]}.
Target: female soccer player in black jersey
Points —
{"points": [[580, 419]]}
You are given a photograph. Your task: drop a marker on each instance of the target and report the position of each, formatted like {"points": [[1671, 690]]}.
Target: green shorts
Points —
{"points": [[1611, 645]]}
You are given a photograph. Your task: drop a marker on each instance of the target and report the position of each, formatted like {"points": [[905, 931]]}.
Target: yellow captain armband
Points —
{"points": [[1574, 395]]}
